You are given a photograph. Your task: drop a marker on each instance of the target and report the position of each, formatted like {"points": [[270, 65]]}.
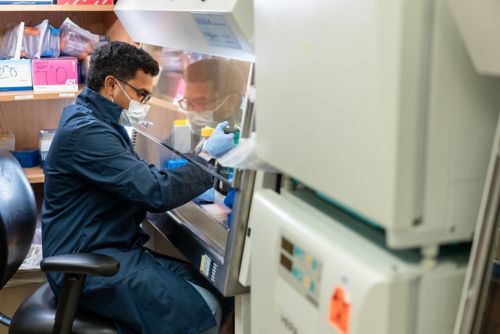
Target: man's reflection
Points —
{"points": [[213, 93]]}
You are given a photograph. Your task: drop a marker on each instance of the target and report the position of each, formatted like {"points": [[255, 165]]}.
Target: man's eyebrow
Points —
{"points": [[145, 91]]}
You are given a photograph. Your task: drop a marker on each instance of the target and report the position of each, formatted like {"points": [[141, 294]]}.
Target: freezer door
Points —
{"points": [[376, 105], [312, 274]]}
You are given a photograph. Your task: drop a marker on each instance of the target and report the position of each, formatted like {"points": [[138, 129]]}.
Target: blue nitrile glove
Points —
{"points": [[219, 142], [229, 200]]}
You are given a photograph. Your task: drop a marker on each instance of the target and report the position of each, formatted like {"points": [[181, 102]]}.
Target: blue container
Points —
{"points": [[176, 163], [28, 158]]}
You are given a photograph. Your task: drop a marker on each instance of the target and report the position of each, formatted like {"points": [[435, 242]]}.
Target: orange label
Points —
{"points": [[340, 311]]}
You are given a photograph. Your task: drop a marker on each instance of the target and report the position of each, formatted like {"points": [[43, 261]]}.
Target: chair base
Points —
{"points": [[36, 316]]}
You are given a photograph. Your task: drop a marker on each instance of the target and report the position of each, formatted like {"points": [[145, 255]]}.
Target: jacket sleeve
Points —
{"points": [[101, 158]]}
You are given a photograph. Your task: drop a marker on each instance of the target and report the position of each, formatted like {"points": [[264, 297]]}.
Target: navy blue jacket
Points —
{"points": [[97, 192]]}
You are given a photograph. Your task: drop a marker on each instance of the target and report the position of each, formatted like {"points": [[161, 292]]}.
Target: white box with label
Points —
{"points": [[15, 74]]}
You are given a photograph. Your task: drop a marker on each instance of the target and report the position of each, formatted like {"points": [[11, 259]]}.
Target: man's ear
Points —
{"points": [[109, 85]]}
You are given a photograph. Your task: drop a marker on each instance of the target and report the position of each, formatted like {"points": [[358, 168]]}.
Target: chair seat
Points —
{"points": [[36, 316]]}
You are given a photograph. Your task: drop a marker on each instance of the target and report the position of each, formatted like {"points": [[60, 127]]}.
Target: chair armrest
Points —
{"points": [[81, 263]]}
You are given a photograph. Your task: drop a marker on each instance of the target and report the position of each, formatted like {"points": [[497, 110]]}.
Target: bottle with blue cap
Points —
{"points": [[51, 42]]}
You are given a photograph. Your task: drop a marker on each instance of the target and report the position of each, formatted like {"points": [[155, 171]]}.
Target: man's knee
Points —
{"points": [[213, 305]]}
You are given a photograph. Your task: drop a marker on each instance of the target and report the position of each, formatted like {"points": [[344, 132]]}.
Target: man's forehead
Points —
{"points": [[199, 88], [142, 81]]}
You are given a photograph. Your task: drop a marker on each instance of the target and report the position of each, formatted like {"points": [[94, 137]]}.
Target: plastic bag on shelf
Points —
{"points": [[42, 28], [76, 41], [33, 259], [51, 42], [35, 256], [30, 38], [29, 271], [33, 39], [12, 42]]}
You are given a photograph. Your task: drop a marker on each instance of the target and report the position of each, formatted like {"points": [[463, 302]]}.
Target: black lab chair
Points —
{"points": [[41, 313]]}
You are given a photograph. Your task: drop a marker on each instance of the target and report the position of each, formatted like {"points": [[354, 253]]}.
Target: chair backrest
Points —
{"points": [[17, 216]]}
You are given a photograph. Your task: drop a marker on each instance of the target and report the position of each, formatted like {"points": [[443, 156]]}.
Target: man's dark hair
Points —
{"points": [[121, 60], [226, 75]]}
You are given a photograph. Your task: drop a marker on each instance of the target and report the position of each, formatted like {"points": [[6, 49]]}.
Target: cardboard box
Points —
{"points": [[15, 74], [55, 74], [84, 2]]}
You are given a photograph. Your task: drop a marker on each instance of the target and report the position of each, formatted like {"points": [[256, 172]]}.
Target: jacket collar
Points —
{"points": [[101, 107]]}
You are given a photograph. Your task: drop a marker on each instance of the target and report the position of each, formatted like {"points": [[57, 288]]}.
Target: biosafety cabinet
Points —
{"points": [[206, 60]]}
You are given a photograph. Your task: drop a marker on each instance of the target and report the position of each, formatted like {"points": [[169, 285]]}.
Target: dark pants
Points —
{"points": [[143, 301]]}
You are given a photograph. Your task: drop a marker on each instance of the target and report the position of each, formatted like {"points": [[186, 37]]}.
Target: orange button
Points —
{"points": [[307, 281], [340, 311]]}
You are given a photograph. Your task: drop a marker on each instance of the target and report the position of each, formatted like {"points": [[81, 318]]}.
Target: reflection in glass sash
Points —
{"points": [[191, 95]]}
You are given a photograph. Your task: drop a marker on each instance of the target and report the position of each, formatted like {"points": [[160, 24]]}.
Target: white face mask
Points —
{"points": [[136, 112], [200, 119]]}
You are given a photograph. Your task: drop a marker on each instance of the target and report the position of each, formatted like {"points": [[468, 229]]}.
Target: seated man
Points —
{"points": [[97, 191]]}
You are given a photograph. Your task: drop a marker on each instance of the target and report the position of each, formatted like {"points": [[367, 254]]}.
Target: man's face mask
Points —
{"points": [[136, 112], [199, 119]]}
